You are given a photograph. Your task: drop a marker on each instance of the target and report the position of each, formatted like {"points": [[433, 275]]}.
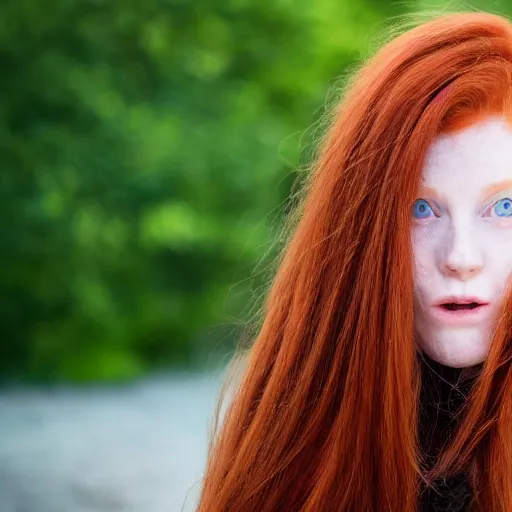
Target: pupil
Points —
{"points": [[506, 206]]}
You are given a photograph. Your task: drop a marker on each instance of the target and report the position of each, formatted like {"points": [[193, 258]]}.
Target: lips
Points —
{"points": [[461, 310]]}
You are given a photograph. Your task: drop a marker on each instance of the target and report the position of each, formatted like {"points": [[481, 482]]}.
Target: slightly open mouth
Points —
{"points": [[453, 306]]}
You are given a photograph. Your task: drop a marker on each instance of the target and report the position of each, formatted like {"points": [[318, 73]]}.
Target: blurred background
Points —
{"points": [[148, 150]]}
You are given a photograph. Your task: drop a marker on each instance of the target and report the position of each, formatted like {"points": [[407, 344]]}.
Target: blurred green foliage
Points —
{"points": [[146, 148]]}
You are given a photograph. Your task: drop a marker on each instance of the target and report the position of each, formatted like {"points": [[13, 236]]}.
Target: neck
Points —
{"points": [[444, 391]]}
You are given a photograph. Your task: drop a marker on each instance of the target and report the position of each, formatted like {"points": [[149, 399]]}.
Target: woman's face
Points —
{"points": [[462, 241]]}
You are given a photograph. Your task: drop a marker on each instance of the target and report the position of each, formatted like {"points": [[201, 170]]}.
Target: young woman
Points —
{"points": [[380, 378]]}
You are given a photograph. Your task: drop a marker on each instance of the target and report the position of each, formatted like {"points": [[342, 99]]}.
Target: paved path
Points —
{"points": [[132, 448]]}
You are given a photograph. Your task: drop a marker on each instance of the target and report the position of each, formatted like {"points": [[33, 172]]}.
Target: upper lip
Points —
{"points": [[460, 299]]}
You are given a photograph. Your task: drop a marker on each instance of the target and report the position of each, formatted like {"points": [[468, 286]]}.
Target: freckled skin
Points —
{"points": [[464, 247]]}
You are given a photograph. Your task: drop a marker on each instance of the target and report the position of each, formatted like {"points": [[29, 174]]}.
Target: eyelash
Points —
{"points": [[432, 209]]}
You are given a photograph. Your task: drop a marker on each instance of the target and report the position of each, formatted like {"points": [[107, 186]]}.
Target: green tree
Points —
{"points": [[146, 148]]}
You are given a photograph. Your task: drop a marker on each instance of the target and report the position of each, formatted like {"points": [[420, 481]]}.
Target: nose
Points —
{"points": [[463, 257]]}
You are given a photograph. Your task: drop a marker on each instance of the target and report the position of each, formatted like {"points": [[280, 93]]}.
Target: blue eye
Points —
{"points": [[503, 207], [422, 210]]}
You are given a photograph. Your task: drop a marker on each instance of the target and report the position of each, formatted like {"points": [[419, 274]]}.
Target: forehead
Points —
{"points": [[471, 159]]}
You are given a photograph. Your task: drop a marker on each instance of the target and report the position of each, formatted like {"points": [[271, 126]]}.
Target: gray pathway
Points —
{"points": [[139, 447]]}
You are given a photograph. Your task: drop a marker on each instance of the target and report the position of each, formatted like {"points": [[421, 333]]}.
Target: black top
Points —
{"points": [[443, 391]]}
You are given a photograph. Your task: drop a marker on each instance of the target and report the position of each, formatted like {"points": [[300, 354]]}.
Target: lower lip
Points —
{"points": [[461, 316]]}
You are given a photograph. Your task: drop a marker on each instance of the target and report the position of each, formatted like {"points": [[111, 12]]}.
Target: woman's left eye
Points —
{"points": [[502, 208], [422, 210]]}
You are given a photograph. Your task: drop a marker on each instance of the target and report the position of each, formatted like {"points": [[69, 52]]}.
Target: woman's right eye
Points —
{"points": [[421, 209]]}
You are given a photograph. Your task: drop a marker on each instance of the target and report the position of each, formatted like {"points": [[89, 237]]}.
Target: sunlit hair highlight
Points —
{"points": [[326, 413]]}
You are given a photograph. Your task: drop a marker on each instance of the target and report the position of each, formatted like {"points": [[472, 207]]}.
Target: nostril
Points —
{"points": [[463, 271]]}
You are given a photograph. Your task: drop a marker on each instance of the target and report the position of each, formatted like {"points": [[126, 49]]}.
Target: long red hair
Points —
{"points": [[326, 415]]}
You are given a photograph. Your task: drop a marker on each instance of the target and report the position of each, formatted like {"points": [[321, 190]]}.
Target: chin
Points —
{"points": [[457, 348], [463, 361]]}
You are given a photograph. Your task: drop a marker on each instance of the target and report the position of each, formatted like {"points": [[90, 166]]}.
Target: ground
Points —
{"points": [[124, 448]]}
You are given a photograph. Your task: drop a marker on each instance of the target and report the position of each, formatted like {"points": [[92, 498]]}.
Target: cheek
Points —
{"points": [[423, 242], [497, 248]]}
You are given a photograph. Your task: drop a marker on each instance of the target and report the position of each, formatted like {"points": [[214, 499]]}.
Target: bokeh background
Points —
{"points": [[148, 153]]}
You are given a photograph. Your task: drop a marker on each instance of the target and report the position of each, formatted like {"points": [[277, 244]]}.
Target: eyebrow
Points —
{"points": [[489, 191], [433, 193], [495, 188]]}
